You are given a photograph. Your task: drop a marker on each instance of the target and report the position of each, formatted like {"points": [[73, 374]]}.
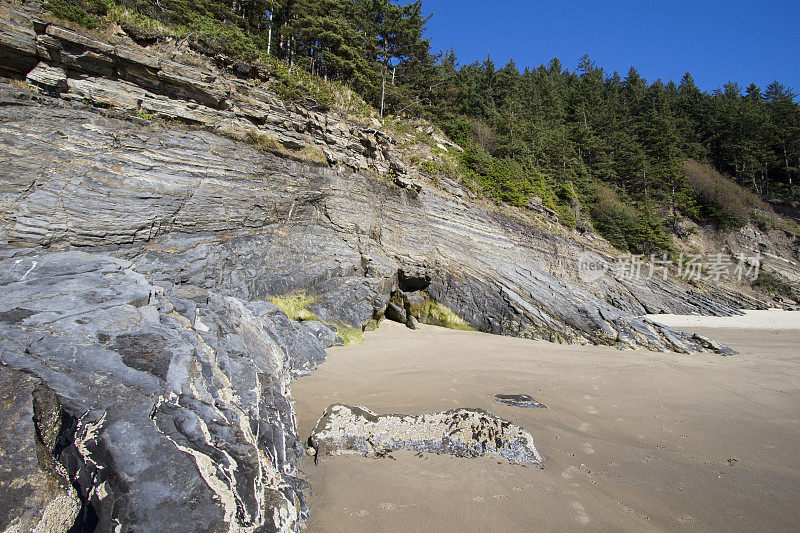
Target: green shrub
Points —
{"points": [[719, 200], [773, 285], [503, 180], [625, 227], [296, 85], [437, 169], [84, 12]]}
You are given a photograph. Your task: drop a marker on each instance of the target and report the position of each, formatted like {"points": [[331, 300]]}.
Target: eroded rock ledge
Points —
{"points": [[190, 88], [355, 430]]}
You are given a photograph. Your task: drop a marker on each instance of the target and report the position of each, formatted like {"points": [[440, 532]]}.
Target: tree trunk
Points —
{"points": [[644, 181], [269, 33], [674, 214], [383, 89], [788, 174]]}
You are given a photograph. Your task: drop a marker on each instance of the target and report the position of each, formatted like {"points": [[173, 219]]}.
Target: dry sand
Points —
{"points": [[759, 320], [633, 440]]}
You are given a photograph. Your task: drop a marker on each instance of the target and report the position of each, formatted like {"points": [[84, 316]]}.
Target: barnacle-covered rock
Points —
{"points": [[347, 430]]}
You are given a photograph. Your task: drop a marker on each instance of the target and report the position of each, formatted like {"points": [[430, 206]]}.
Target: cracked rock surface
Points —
{"points": [[154, 417], [355, 430], [137, 265]]}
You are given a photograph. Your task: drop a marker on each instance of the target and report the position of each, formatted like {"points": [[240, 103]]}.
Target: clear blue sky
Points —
{"points": [[716, 41]]}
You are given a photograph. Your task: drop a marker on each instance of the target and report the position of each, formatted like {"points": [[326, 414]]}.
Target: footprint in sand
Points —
{"points": [[580, 513], [361, 513], [569, 472], [388, 506], [517, 489], [479, 499]]}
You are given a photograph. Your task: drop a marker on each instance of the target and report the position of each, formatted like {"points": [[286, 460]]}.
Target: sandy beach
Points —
{"points": [[633, 440]]}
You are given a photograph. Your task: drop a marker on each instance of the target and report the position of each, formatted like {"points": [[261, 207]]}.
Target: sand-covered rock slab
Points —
{"points": [[347, 430]]}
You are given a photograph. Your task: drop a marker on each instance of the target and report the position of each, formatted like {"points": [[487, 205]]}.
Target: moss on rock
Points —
{"points": [[294, 305]]}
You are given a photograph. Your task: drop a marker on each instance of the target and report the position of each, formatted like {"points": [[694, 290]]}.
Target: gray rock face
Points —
{"points": [[197, 209], [347, 430], [157, 419], [17, 44], [159, 336], [35, 488]]}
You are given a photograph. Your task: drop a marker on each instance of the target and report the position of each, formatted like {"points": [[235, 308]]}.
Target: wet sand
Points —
{"points": [[633, 440]]}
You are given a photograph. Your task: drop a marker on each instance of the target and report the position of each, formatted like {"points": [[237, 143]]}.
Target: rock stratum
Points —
{"points": [[355, 430], [144, 370]]}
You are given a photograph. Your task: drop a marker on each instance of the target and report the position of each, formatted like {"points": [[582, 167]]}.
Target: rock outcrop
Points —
{"points": [[520, 400], [144, 371], [148, 408], [148, 83], [193, 208], [348, 430]]}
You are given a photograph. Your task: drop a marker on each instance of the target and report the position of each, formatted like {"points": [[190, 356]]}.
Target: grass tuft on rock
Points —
{"points": [[350, 335], [295, 305], [306, 154]]}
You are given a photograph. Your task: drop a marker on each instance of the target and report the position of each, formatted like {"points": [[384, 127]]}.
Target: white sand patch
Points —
{"points": [[767, 320]]}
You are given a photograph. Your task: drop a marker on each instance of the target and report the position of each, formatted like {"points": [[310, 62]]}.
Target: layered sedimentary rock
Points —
{"points": [[144, 372], [349, 430], [128, 78], [194, 208]]}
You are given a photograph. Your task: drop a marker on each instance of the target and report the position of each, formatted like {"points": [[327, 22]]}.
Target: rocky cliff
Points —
{"points": [[143, 365]]}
